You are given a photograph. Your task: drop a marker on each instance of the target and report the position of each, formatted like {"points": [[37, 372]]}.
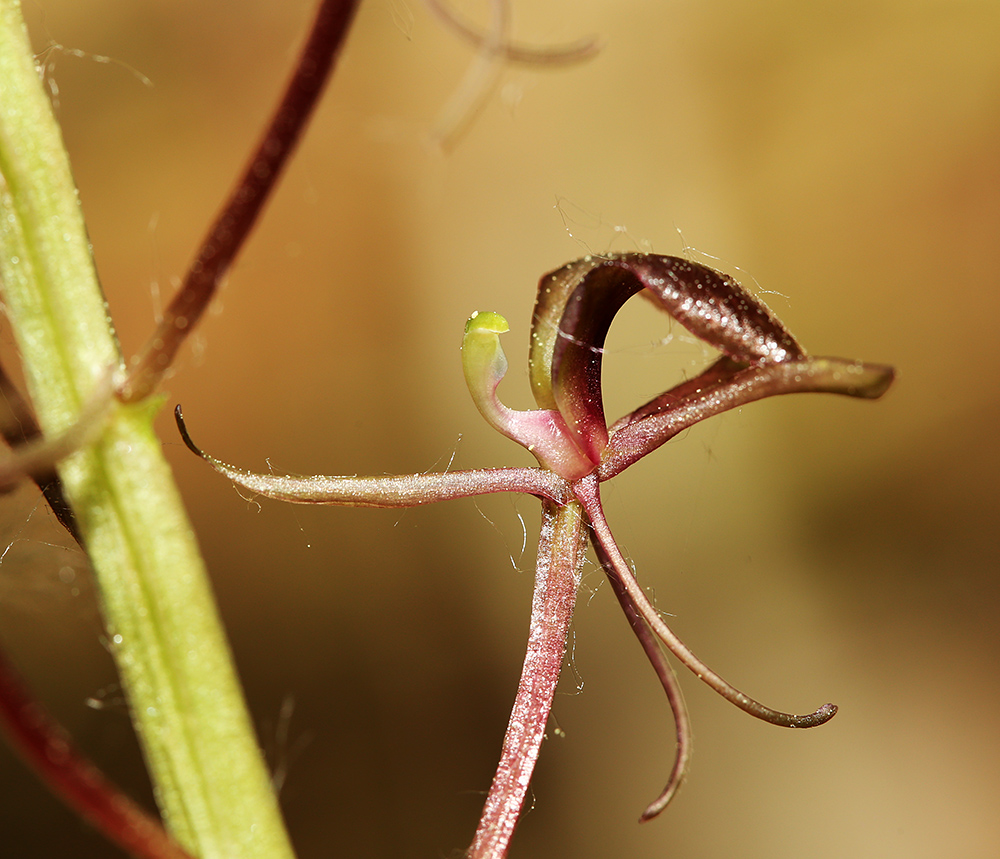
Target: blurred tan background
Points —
{"points": [[844, 156]]}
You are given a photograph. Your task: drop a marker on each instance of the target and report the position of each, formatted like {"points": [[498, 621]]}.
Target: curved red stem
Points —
{"points": [[226, 236], [45, 746]]}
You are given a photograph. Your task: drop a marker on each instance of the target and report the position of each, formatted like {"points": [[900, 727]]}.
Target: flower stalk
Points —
{"points": [[561, 552]]}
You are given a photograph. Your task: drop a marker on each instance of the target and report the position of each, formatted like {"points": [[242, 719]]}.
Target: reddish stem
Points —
{"points": [[239, 214], [47, 749], [560, 557], [17, 426]]}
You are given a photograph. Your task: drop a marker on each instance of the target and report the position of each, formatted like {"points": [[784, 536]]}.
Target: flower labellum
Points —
{"points": [[541, 431]]}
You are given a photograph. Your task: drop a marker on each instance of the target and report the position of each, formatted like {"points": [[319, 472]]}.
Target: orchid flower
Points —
{"points": [[577, 451]]}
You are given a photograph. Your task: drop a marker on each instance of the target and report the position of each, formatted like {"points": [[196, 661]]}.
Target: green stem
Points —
{"points": [[175, 664]]}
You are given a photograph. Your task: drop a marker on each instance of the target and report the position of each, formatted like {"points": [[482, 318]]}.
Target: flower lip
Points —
{"points": [[542, 431]]}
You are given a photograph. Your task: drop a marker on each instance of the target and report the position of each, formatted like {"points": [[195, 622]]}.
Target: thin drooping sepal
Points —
{"points": [[665, 673], [561, 551], [588, 494], [404, 490], [728, 387]]}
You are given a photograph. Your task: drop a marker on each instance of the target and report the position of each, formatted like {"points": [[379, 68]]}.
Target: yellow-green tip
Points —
{"points": [[487, 320]]}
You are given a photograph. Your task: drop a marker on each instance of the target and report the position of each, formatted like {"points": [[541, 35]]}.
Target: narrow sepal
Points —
{"points": [[395, 490], [726, 386]]}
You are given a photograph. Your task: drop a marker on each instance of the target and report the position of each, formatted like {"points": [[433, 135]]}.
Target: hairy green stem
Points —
{"points": [[175, 664]]}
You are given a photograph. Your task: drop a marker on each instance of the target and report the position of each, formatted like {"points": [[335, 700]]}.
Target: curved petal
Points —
{"points": [[554, 290], [577, 303], [715, 308], [572, 316]]}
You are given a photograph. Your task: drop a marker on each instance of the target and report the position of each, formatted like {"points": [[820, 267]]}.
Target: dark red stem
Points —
{"points": [[48, 750], [233, 225]]}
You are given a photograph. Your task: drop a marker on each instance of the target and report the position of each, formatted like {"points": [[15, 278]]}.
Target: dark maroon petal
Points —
{"points": [[715, 308], [590, 305], [554, 290], [577, 303]]}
